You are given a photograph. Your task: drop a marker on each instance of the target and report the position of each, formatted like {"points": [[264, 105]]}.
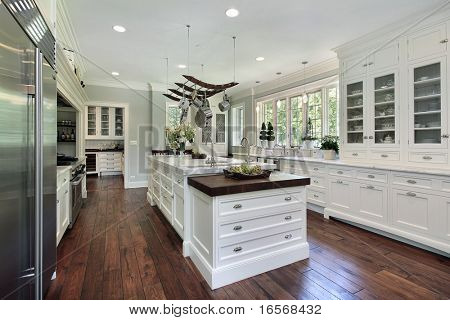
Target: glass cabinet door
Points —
{"points": [[118, 122], [385, 110], [92, 121], [427, 114], [355, 112], [104, 121]]}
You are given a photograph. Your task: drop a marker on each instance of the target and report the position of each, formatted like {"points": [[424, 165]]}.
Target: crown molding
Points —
{"points": [[292, 79], [65, 34], [140, 86], [408, 25]]}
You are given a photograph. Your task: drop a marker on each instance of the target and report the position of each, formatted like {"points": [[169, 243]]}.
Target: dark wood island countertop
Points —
{"points": [[219, 185]]}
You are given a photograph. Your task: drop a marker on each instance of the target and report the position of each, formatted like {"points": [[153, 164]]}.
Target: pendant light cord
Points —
{"points": [[188, 46], [167, 75], [234, 58]]}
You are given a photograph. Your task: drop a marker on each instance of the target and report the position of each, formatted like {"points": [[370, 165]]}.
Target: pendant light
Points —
{"points": [[305, 95]]}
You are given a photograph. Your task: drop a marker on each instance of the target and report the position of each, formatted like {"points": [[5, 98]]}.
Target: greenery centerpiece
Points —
{"points": [[177, 136], [270, 135], [263, 135], [308, 139], [330, 147]]}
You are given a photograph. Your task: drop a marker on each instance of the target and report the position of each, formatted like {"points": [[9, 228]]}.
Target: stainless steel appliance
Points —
{"points": [[76, 196], [27, 152]]}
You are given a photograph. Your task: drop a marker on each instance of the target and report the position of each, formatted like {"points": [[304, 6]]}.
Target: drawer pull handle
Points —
{"points": [[67, 191], [355, 154], [384, 156], [288, 198], [340, 182], [371, 176], [411, 181], [370, 187], [237, 249], [57, 201], [288, 236], [340, 172], [178, 181], [411, 194], [315, 181], [316, 196], [316, 169], [288, 218], [427, 158], [237, 228], [237, 206]]}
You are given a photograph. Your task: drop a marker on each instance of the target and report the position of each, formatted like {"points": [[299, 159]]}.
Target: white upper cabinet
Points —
{"points": [[428, 104], [387, 57], [427, 42], [355, 112], [354, 66], [105, 123]]}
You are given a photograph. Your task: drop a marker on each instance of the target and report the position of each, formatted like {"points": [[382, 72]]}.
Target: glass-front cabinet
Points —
{"points": [[104, 122], [384, 110], [354, 113], [428, 115], [92, 121]]}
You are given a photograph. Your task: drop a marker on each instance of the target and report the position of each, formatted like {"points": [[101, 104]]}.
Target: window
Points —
{"points": [[237, 125], [281, 124], [315, 112], [268, 112], [173, 114], [296, 121], [333, 114]]}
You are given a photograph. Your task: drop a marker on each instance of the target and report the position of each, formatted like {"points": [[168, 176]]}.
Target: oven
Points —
{"points": [[76, 186]]}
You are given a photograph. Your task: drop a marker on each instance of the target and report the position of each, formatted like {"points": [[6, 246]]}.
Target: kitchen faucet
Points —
{"points": [[246, 144], [212, 160]]}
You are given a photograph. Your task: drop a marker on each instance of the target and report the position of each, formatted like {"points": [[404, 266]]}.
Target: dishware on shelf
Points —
{"points": [[358, 102], [390, 83], [357, 128], [434, 124], [388, 97], [429, 140], [423, 78], [388, 139], [358, 91], [381, 114]]}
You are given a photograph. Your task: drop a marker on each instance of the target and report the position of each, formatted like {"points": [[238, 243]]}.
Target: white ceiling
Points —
{"points": [[285, 32]]}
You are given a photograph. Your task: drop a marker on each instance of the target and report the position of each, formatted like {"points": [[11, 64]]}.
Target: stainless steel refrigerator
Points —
{"points": [[27, 152]]}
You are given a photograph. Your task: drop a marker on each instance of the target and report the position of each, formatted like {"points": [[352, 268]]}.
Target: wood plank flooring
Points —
{"points": [[121, 248]]}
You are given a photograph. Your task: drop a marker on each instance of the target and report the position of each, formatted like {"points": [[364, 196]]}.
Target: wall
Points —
{"points": [[139, 137], [158, 120]]}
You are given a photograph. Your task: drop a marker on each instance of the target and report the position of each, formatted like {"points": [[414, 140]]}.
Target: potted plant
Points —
{"points": [[330, 147], [270, 135], [263, 135], [308, 139]]}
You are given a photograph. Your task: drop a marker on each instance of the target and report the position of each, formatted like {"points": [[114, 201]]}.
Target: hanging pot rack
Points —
{"points": [[202, 89]]}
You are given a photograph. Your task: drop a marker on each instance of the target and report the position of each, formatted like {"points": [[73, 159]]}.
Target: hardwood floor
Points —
{"points": [[121, 248]]}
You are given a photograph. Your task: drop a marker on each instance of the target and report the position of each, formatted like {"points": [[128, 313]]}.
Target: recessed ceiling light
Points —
{"points": [[182, 66], [119, 28], [259, 59], [114, 73], [232, 13], [278, 73]]}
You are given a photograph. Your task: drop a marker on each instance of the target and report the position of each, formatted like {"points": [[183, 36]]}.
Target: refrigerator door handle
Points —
{"points": [[38, 255]]}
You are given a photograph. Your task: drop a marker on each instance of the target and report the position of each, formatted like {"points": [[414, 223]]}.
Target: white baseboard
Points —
{"points": [[226, 275], [136, 184]]}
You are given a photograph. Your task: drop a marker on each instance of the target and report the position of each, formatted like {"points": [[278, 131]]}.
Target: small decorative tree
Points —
{"points": [[308, 138], [263, 135], [270, 135]]}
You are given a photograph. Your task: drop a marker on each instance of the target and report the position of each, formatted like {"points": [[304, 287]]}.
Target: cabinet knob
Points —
{"points": [[411, 194], [340, 172], [384, 156], [371, 137], [340, 182], [443, 41], [355, 154], [288, 236], [288, 218], [371, 176], [237, 228], [178, 181], [237, 206], [57, 201], [445, 136], [67, 191], [370, 63], [316, 169], [315, 181], [411, 181], [237, 249], [316, 196], [288, 198], [427, 158], [370, 187], [366, 137]]}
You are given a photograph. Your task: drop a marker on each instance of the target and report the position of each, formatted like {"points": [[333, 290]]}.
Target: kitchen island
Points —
{"points": [[241, 228], [168, 188]]}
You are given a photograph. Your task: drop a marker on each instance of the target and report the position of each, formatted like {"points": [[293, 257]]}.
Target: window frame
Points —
{"points": [[322, 86], [234, 127]]}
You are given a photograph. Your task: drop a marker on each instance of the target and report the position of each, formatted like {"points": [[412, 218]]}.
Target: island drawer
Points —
{"points": [[242, 227], [341, 172], [412, 181], [370, 175], [256, 247], [166, 183], [166, 199], [317, 197], [319, 182], [262, 202], [178, 179], [312, 168]]}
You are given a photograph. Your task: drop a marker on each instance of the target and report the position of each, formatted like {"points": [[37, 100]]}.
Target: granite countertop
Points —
{"points": [[367, 165], [61, 169], [103, 150], [219, 185], [185, 165]]}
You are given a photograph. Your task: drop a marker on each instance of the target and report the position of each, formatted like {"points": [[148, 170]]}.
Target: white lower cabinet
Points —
{"points": [[341, 195], [63, 205], [413, 206], [178, 209], [372, 202]]}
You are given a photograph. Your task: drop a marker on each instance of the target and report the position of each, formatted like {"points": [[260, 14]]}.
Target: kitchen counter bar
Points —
{"points": [[219, 185]]}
